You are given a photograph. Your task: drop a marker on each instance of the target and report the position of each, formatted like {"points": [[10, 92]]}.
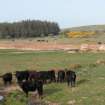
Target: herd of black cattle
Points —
{"points": [[34, 80]]}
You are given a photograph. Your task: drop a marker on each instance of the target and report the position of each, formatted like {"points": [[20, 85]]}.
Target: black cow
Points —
{"points": [[71, 78], [52, 75], [42, 75], [7, 78], [47, 75], [61, 76], [30, 86], [22, 75], [34, 75]]}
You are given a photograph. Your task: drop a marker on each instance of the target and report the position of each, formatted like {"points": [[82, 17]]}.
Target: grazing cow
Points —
{"points": [[61, 76], [47, 75], [39, 87], [7, 78], [34, 75], [22, 75], [42, 75], [31, 86], [52, 75], [71, 78]]}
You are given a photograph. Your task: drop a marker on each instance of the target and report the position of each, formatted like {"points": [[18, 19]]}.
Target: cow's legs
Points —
{"points": [[68, 82]]}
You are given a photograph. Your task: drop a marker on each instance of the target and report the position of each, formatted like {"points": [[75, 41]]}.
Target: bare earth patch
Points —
{"points": [[5, 90], [71, 102], [50, 46], [36, 46]]}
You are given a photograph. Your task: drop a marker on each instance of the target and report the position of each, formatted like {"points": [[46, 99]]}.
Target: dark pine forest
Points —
{"points": [[28, 28]]}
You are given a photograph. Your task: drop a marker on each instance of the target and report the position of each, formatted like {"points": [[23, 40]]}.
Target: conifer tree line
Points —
{"points": [[28, 28]]}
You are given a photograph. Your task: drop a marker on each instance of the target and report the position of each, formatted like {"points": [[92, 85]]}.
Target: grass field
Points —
{"points": [[63, 39], [90, 86]]}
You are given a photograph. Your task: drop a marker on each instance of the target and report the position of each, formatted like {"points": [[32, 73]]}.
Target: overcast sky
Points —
{"points": [[68, 13]]}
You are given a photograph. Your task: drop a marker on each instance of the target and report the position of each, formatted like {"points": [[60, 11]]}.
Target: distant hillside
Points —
{"points": [[85, 31], [87, 28]]}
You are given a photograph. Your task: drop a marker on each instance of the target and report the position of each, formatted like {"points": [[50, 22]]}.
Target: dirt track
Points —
{"points": [[49, 46], [36, 46]]}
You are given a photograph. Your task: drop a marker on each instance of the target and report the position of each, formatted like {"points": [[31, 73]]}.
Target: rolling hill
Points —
{"points": [[87, 28], [98, 37]]}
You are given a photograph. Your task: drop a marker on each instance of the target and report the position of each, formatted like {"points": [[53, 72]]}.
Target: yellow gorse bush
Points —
{"points": [[75, 34]]}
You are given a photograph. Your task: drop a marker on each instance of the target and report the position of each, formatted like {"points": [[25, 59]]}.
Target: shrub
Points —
{"points": [[75, 66], [101, 61], [78, 34], [92, 65]]}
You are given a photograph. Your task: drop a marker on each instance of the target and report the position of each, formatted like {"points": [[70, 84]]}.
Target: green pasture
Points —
{"points": [[90, 85]]}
